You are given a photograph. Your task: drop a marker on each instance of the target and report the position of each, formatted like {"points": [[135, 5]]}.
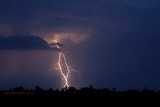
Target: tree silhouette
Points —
{"points": [[83, 91], [18, 89]]}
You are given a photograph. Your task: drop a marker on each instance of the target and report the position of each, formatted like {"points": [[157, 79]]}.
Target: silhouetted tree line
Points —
{"points": [[83, 91]]}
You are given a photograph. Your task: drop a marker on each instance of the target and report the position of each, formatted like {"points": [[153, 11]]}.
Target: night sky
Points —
{"points": [[110, 43]]}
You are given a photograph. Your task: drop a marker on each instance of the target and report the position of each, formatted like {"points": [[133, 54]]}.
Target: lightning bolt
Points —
{"points": [[62, 65]]}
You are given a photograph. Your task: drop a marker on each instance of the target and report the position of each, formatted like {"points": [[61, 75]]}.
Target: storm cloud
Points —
{"points": [[27, 42], [116, 42]]}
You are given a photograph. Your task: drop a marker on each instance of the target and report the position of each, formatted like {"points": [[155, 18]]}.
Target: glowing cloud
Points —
{"points": [[73, 35]]}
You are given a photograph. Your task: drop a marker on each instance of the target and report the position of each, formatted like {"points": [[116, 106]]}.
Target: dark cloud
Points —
{"points": [[28, 42], [60, 44], [52, 16]]}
